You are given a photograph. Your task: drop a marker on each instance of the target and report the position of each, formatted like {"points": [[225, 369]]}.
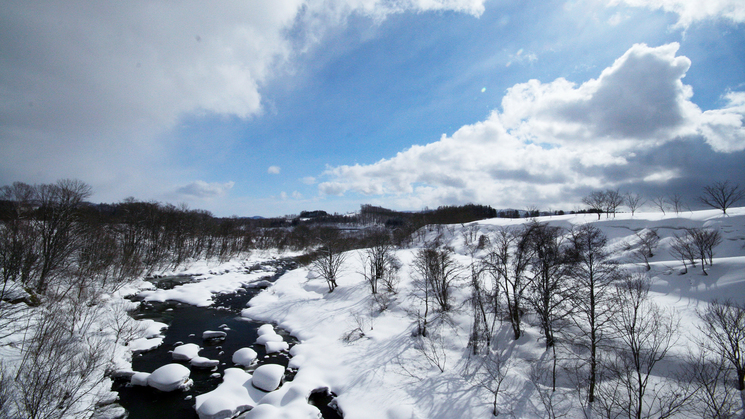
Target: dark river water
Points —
{"points": [[185, 325]]}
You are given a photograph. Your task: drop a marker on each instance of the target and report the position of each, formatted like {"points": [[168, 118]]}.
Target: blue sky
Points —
{"points": [[273, 107]]}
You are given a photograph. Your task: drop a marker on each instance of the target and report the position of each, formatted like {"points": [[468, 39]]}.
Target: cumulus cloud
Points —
{"points": [[91, 89], [273, 170], [690, 11], [204, 190], [554, 141]]}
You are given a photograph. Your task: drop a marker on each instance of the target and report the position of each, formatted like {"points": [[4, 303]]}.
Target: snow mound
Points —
{"points": [[268, 377], [169, 377], [244, 357], [202, 362], [272, 347], [144, 344], [186, 352], [234, 394], [269, 337], [264, 329], [139, 379], [217, 407]]}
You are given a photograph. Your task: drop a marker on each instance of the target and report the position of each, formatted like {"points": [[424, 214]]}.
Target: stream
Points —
{"points": [[185, 325]]}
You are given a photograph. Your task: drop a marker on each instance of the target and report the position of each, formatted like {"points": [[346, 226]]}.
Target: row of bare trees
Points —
{"points": [[718, 195]]}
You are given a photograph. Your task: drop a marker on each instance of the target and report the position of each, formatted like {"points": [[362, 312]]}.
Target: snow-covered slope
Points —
{"points": [[372, 361]]}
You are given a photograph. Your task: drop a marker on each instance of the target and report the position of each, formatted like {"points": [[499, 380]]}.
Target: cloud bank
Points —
{"points": [[552, 142], [91, 89]]}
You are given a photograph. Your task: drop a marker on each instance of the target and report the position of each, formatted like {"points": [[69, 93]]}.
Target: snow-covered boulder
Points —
{"points": [[185, 352], [139, 379], [269, 337], [217, 407], [170, 377], [202, 362], [214, 335], [272, 347], [244, 357], [264, 329], [268, 377]]}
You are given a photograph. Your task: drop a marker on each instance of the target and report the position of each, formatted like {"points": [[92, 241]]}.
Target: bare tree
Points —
{"points": [[704, 241], [710, 373], [613, 200], [648, 240], [683, 249], [594, 275], [58, 215], [492, 373], [646, 334], [634, 202], [509, 259], [660, 202], [724, 328], [596, 201], [676, 200], [380, 266], [722, 195], [330, 258]]}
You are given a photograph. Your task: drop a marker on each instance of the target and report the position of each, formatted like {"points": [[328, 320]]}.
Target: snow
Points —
{"points": [[383, 374], [144, 344], [269, 337], [268, 377], [244, 357], [140, 379], [274, 347], [186, 352], [265, 329], [202, 362], [170, 377]]}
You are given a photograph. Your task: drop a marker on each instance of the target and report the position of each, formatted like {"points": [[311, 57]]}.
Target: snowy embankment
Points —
{"points": [[370, 359]]}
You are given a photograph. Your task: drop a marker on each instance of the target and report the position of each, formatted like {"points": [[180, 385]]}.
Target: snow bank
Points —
{"points": [[170, 377], [274, 347], [213, 335], [144, 344], [140, 379]]}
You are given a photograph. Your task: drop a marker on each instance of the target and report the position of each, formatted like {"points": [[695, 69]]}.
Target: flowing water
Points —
{"points": [[185, 325]]}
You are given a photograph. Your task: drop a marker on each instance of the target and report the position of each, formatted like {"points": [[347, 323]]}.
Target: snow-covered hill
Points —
{"points": [[379, 369]]}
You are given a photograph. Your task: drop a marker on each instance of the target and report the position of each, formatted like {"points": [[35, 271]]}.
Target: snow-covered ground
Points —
{"points": [[380, 373], [370, 358]]}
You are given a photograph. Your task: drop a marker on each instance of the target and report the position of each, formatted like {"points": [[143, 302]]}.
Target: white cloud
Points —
{"points": [[91, 89], [308, 180], [554, 140], [690, 11], [273, 170], [202, 189]]}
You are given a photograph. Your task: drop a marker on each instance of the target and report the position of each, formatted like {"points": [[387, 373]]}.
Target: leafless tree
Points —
{"points": [[704, 241], [594, 275], [495, 365], [722, 195], [660, 202], [613, 200], [380, 265], [551, 400], [58, 203], [634, 202], [711, 375], [646, 333], [596, 201], [683, 249], [724, 328], [648, 240], [676, 200], [509, 259], [437, 266], [331, 258]]}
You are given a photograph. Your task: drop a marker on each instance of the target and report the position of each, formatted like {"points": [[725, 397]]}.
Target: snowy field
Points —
{"points": [[380, 373], [369, 355]]}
